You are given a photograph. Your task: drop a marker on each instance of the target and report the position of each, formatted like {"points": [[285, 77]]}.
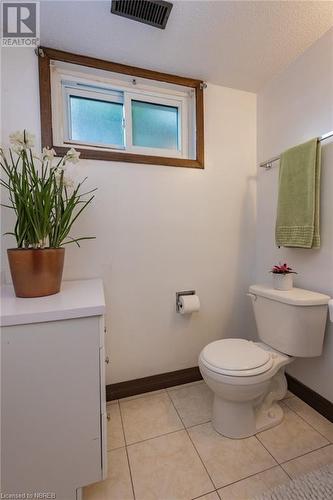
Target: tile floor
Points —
{"points": [[161, 446]]}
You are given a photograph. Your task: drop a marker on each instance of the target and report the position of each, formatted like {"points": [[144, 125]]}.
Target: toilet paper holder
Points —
{"points": [[180, 294]]}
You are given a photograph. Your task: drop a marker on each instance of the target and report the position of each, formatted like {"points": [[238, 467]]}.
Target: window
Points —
{"points": [[95, 121], [137, 121], [155, 125], [128, 115]]}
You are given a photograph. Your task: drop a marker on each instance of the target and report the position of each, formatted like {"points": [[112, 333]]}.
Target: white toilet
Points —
{"points": [[248, 378]]}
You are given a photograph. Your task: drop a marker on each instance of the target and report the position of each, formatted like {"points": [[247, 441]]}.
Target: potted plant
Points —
{"points": [[283, 277], [46, 203]]}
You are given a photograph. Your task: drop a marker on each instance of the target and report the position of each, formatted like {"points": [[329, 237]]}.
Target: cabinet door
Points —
{"points": [[51, 426]]}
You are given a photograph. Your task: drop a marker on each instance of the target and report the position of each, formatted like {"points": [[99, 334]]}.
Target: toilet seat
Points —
{"points": [[236, 357]]}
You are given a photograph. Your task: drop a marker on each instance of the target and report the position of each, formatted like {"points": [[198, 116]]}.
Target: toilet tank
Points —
{"points": [[293, 321]]}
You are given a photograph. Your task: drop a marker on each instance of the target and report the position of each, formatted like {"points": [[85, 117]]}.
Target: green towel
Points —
{"points": [[297, 223]]}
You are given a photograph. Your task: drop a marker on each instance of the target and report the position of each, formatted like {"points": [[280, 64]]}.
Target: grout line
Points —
{"points": [[196, 425], [128, 461], [305, 454], [262, 444], [294, 458], [308, 423], [113, 449], [208, 493], [214, 485], [286, 472], [248, 477], [155, 437]]}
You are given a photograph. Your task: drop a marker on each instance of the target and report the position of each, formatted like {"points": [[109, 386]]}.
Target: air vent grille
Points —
{"points": [[152, 12]]}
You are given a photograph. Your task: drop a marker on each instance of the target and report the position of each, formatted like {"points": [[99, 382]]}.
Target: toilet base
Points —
{"points": [[239, 420], [230, 416], [265, 419]]}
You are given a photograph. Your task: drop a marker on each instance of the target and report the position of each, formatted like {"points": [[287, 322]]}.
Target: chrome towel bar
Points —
{"points": [[269, 163]]}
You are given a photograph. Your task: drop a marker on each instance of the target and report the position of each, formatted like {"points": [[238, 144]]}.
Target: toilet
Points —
{"points": [[247, 378]]}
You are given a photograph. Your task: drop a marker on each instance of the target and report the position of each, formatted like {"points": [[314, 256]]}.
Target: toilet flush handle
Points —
{"points": [[253, 297]]}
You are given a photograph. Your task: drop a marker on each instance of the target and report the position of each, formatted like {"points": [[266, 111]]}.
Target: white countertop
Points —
{"points": [[76, 299]]}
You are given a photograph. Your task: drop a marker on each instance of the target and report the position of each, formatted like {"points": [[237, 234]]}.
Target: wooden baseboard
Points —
{"points": [[164, 380], [152, 383], [312, 398]]}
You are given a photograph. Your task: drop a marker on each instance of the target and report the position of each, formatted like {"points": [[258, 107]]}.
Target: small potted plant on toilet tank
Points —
{"points": [[45, 201], [282, 277]]}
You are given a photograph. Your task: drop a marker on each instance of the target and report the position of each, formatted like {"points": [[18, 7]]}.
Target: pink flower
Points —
{"points": [[282, 269]]}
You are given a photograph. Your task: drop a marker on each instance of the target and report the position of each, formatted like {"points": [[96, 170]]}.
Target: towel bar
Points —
{"points": [[269, 163]]}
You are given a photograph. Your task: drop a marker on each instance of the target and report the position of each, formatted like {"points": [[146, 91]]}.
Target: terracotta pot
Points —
{"points": [[36, 272]]}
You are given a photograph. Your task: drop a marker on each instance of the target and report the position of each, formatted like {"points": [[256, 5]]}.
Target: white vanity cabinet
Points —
{"points": [[53, 408]]}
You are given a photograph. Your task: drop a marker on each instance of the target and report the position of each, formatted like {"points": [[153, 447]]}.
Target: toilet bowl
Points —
{"points": [[247, 378]]}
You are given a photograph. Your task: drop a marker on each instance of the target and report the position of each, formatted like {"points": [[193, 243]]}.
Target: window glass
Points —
{"points": [[154, 125], [96, 122]]}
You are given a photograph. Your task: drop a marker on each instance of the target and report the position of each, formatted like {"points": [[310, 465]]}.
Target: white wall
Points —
{"points": [[163, 229], [294, 107]]}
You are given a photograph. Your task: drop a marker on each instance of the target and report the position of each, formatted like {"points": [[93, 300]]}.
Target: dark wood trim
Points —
{"points": [[163, 380], [312, 398], [92, 62], [47, 54], [45, 101], [152, 383], [95, 154], [199, 110]]}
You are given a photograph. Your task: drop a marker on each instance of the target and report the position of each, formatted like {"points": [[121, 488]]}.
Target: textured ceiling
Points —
{"points": [[233, 43]]}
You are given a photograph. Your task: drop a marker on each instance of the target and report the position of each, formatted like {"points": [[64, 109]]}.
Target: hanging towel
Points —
{"points": [[297, 223]]}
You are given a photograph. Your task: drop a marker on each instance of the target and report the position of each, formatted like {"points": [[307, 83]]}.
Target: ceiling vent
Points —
{"points": [[152, 12]]}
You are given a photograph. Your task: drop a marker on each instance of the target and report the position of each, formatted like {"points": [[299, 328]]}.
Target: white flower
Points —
{"points": [[67, 180], [21, 140], [72, 156], [48, 154]]}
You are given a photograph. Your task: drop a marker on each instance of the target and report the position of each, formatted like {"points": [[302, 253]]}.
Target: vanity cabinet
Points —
{"points": [[53, 407]]}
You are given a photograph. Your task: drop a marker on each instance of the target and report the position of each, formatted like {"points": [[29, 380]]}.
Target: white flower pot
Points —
{"points": [[282, 281]]}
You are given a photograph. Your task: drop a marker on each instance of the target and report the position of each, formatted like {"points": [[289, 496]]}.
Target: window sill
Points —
{"points": [[94, 154]]}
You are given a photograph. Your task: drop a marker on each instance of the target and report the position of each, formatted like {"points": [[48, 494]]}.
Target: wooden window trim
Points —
{"points": [[47, 54]]}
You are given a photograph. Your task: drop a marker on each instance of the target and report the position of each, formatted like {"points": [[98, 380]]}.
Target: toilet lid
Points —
{"points": [[236, 357]]}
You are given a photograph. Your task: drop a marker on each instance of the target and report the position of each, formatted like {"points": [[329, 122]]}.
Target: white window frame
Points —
{"points": [[65, 83], [98, 95]]}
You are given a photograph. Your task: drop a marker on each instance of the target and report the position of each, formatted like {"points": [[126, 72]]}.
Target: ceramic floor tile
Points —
{"points": [[143, 395], [229, 460], [147, 417], [309, 462], [113, 402], [254, 485], [292, 438], [175, 387], [209, 496], [312, 417], [115, 432], [167, 468], [118, 484], [193, 403]]}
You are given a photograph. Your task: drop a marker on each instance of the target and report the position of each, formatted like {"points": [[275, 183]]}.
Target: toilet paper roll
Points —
{"points": [[189, 304]]}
